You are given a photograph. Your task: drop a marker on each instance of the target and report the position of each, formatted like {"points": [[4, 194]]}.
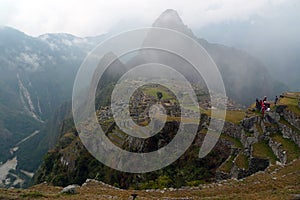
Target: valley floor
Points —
{"points": [[276, 182]]}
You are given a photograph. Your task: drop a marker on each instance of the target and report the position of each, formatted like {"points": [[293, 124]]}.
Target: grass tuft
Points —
{"points": [[242, 161], [34, 194]]}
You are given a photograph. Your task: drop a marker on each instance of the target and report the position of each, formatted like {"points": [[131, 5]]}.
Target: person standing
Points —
{"points": [[263, 109], [265, 99], [258, 104], [266, 103], [276, 100]]}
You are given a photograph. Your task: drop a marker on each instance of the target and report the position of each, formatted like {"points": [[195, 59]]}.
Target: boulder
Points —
{"points": [[248, 123], [71, 189]]}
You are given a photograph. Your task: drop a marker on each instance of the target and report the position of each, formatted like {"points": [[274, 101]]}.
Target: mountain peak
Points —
{"points": [[170, 19], [10, 31], [171, 14]]}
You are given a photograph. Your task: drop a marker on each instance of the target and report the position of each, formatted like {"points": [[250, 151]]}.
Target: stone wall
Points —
{"points": [[248, 123], [239, 173], [232, 130], [236, 131], [255, 165]]}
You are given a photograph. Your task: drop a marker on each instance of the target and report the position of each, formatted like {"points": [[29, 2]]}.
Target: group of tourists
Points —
{"points": [[264, 105]]}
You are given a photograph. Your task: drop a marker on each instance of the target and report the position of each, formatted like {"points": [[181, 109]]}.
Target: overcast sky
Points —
{"points": [[94, 17]]}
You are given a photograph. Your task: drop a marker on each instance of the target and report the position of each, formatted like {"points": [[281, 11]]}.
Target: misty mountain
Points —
{"points": [[244, 76], [273, 40], [37, 75]]}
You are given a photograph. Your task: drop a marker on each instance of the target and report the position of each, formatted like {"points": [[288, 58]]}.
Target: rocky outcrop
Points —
{"points": [[239, 173], [252, 130], [269, 129], [292, 118], [237, 131], [290, 133], [232, 130], [278, 151], [289, 116], [71, 189], [248, 123], [272, 117]]}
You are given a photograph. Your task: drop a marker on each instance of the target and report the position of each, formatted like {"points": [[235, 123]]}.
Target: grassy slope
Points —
{"points": [[275, 183], [291, 100], [293, 152], [262, 150]]}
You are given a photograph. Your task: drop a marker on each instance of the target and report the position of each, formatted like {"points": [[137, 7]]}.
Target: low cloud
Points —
{"points": [[94, 17]]}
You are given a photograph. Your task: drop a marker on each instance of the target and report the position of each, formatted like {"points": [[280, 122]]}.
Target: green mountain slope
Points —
{"points": [[247, 145]]}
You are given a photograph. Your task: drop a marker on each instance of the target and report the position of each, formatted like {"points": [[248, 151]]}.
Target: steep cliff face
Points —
{"points": [[37, 75]]}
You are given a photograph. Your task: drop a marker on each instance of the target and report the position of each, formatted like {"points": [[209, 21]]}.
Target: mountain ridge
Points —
{"points": [[47, 68]]}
